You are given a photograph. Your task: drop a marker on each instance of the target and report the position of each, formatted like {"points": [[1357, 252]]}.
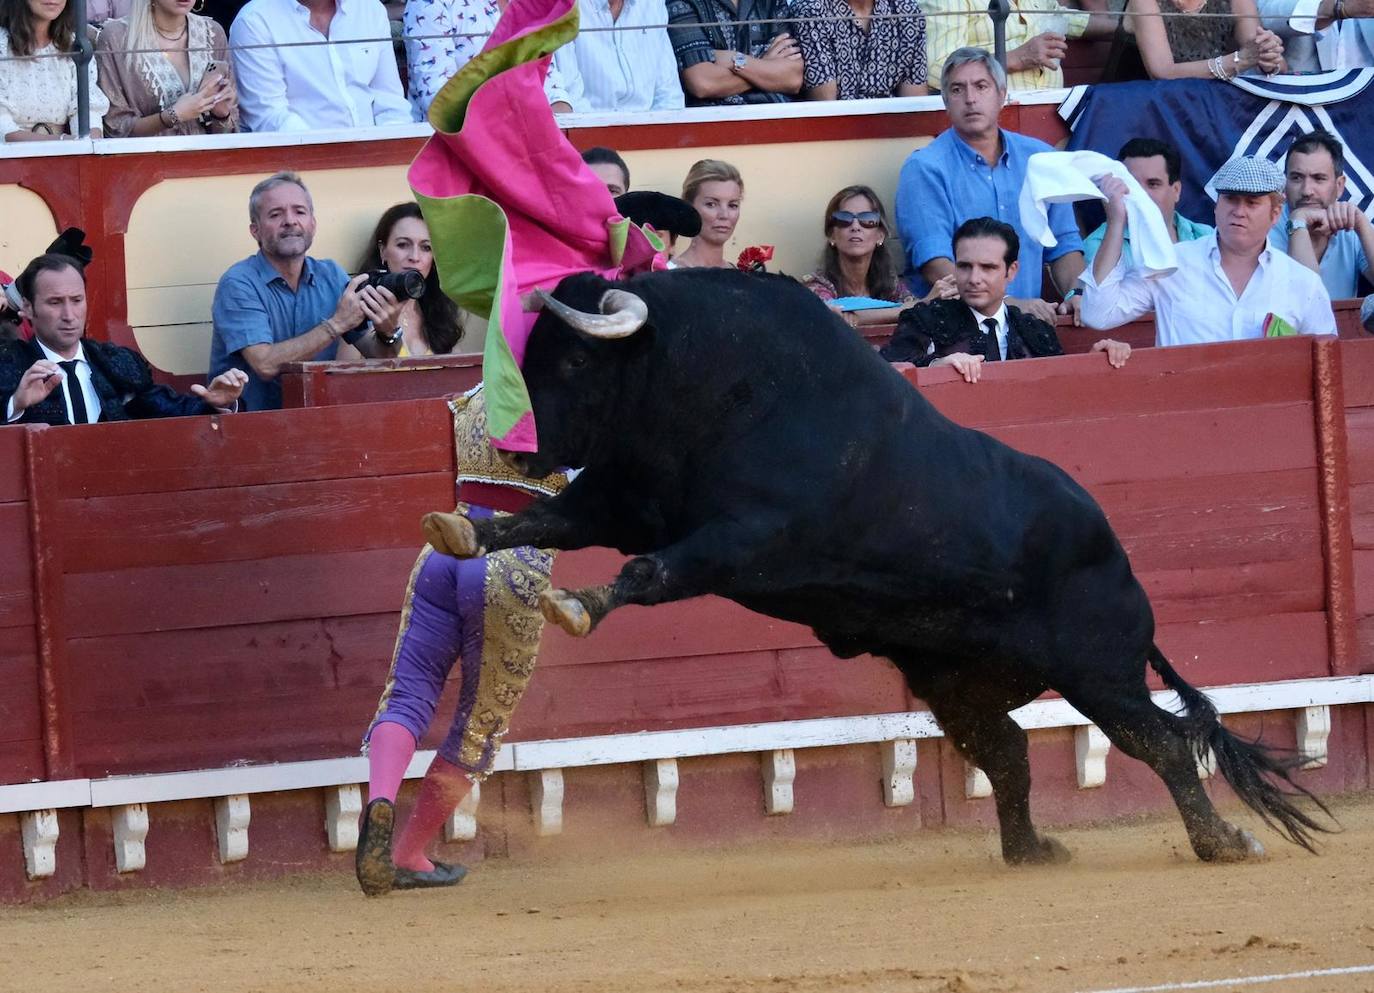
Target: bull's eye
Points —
{"points": [[575, 362]]}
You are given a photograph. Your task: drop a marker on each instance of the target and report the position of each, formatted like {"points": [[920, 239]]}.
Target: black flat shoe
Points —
{"points": [[376, 871], [443, 874]]}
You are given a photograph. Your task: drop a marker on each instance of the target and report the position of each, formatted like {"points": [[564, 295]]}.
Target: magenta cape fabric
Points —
{"points": [[510, 205]]}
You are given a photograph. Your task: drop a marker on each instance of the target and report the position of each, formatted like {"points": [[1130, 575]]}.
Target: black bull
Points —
{"points": [[744, 442]]}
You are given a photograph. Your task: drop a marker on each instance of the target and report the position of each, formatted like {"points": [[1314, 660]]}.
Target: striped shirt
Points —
{"points": [[624, 69], [946, 32]]}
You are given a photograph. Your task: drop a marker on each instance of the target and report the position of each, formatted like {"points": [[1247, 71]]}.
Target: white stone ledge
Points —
{"points": [[532, 756], [21, 797]]}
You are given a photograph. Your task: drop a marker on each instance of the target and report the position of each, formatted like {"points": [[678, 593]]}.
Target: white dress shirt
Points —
{"points": [[83, 375], [317, 85], [1001, 318], [1347, 44], [1196, 304], [624, 69]]}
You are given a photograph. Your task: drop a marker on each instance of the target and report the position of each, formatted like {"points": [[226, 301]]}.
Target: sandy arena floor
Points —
{"points": [[933, 913]]}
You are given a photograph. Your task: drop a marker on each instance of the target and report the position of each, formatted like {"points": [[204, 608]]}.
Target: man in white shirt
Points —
{"points": [[337, 71], [1228, 286], [629, 69], [1321, 35]]}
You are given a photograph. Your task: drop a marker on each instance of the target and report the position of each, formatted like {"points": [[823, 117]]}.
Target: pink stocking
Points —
{"points": [[389, 749], [444, 787]]}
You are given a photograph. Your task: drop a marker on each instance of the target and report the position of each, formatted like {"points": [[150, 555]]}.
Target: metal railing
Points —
{"points": [[998, 11]]}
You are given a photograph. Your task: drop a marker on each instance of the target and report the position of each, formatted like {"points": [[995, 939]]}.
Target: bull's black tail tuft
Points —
{"points": [[1257, 773]]}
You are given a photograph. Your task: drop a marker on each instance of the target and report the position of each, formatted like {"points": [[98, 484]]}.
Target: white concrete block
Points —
{"points": [[976, 782], [1090, 748], [779, 773], [462, 823], [899, 768], [343, 806], [232, 814], [1314, 730], [660, 792], [38, 828], [130, 823], [546, 797]]}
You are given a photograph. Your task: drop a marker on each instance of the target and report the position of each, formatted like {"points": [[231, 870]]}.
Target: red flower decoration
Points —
{"points": [[753, 258]]}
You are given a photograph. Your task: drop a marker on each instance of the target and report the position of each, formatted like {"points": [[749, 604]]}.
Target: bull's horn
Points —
{"points": [[622, 314]]}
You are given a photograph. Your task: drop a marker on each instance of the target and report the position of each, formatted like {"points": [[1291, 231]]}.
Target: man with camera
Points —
{"points": [[280, 305]]}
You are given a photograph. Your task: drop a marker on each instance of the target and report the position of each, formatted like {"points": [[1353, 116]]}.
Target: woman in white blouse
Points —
{"points": [[38, 96]]}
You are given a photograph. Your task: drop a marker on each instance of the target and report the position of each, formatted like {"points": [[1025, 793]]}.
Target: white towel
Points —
{"points": [[1063, 177]]}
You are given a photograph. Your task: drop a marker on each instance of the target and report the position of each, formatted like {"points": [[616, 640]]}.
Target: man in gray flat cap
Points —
{"points": [[1229, 286]]}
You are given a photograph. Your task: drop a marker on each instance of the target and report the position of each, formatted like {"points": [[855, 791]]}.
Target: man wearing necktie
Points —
{"points": [[980, 326], [61, 377]]}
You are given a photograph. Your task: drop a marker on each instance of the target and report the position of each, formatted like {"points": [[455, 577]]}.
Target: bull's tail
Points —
{"points": [[1260, 775]]}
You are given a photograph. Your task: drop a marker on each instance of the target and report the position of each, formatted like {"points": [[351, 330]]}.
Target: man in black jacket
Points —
{"points": [[980, 326], [61, 377]]}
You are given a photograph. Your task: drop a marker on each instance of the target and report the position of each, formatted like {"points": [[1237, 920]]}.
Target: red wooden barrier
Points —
{"points": [[1211, 482], [323, 384], [230, 594], [1358, 382], [21, 723]]}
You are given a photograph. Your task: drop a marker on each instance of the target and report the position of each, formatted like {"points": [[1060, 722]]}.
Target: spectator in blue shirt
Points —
{"points": [[951, 180], [281, 306], [1330, 236]]}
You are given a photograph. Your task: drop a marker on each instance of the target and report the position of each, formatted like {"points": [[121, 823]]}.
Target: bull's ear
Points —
{"points": [[622, 314]]}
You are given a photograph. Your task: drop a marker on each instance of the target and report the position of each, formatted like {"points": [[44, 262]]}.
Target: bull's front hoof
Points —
{"points": [[1045, 851], [1240, 847], [453, 535], [562, 608]]}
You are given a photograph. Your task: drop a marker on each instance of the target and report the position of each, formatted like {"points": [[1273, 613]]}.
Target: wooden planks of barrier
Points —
{"points": [[1358, 391], [231, 594], [21, 737], [323, 384]]}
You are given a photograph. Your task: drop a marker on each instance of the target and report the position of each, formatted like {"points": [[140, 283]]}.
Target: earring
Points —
{"points": [[198, 7], [880, 244]]}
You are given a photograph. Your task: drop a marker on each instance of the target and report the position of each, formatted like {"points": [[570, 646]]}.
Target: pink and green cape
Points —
{"points": [[510, 205]]}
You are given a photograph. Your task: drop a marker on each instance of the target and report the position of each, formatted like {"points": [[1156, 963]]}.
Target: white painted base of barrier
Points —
{"points": [[659, 751]]}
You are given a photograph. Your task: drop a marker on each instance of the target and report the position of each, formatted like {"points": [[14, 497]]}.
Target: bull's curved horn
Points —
{"points": [[622, 314]]}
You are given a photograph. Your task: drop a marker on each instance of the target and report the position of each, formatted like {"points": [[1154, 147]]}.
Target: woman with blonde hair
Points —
{"points": [[166, 71], [715, 189]]}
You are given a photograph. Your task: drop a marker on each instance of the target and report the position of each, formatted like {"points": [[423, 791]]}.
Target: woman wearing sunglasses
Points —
{"points": [[858, 263]]}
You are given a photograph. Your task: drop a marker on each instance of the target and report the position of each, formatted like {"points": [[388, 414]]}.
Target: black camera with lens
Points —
{"points": [[406, 284]]}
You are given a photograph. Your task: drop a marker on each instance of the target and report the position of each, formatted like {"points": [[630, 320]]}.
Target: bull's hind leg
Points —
{"points": [[1130, 719]]}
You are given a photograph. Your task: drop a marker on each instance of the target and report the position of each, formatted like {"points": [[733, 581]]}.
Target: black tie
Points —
{"points": [[78, 396], [993, 352]]}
